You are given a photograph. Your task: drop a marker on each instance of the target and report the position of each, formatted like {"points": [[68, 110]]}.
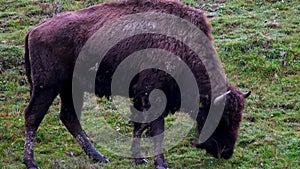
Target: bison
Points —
{"points": [[52, 49]]}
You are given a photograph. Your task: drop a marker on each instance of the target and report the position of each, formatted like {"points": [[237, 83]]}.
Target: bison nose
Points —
{"points": [[227, 153]]}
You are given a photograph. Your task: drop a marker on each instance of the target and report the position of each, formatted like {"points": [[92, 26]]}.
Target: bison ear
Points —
{"points": [[246, 94], [220, 98]]}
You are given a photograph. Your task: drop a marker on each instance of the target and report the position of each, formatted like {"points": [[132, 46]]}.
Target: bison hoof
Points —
{"points": [[162, 166], [30, 164], [100, 158], [139, 161], [160, 162]]}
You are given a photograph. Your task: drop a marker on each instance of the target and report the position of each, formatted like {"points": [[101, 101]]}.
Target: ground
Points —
{"points": [[258, 43]]}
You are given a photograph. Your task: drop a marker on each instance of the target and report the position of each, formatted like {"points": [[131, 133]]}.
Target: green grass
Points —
{"points": [[258, 54]]}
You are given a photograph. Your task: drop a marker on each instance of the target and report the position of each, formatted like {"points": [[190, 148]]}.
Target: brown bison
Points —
{"points": [[51, 51]]}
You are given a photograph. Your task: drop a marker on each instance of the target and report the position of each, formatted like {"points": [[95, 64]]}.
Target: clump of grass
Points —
{"points": [[10, 57]]}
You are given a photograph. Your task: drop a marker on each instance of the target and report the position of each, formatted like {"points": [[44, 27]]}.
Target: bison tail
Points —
{"points": [[27, 62]]}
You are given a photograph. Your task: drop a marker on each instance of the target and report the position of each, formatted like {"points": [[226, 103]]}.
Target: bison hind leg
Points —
{"points": [[40, 101], [70, 119]]}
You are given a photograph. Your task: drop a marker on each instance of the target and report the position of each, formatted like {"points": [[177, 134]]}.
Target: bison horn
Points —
{"points": [[246, 94], [220, 98]]}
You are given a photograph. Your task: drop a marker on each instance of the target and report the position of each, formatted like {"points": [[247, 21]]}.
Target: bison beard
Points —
{"points": [[51, 50]]}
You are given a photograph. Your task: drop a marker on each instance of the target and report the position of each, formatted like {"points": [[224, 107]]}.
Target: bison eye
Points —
{"points": [[146, 94]]}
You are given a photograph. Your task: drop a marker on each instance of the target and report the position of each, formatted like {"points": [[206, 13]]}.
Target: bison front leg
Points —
{"points": [[40, 101], [138, 130], [157, 133], [70, 119]]}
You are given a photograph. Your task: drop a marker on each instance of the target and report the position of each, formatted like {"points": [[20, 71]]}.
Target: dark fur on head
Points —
{"points": [[221, 143]]}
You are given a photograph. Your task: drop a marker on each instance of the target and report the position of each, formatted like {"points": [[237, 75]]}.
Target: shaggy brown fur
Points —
{"points": [[51, 50]]}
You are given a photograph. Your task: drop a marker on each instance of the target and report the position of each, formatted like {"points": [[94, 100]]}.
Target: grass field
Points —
{"points": [[259, 45]]}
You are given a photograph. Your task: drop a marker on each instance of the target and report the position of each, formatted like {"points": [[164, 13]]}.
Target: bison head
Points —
{"points": [[221, 143]]}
